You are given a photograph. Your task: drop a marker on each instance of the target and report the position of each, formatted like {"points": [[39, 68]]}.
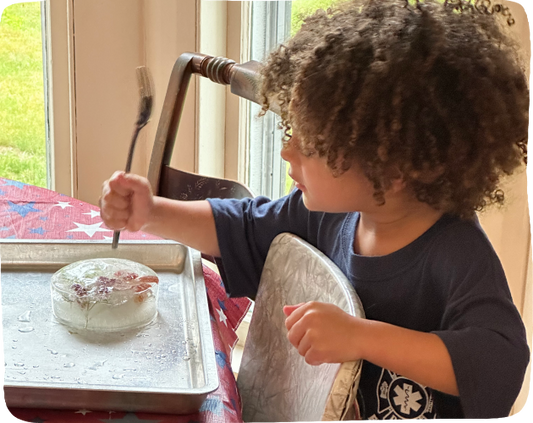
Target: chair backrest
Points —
{"points": [[275, 382], [173, 183], [181, 185]]}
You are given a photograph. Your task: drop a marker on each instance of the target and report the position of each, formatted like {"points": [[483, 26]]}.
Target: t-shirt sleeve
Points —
{"points": [[482, 329], [246, 228]]}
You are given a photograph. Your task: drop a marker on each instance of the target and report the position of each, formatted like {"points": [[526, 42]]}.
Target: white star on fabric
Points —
{"points": [[84, 412], [221, 316], [62, 204], [89, 229], [93, 213]]}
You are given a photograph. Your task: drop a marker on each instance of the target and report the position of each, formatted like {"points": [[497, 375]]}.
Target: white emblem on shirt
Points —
{"points": [[402, 398]]}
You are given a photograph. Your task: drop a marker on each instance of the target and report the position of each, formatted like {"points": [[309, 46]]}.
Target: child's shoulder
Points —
{"points": [[461, 243], [454, 230]]}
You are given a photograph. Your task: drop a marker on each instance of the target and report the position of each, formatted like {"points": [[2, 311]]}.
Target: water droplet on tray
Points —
{"points": [[19, 364], [53, 352], [118, 376], [27, 329], [25, 317], [68, 365], [174, 288], [186, 358], [98, 364]]}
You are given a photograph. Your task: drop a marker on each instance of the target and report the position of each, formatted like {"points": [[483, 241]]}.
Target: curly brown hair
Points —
{"points": [[433, 91]]}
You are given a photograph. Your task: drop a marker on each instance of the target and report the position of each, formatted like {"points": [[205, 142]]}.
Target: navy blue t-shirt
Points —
{"points": [[449, 282]]}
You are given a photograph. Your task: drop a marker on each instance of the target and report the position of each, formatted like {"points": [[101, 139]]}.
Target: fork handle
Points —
{"points": [[116, 234], [132, 146]]}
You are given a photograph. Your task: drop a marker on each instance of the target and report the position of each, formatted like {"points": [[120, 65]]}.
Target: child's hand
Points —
{"points": [[126, 202], [322, 332]]}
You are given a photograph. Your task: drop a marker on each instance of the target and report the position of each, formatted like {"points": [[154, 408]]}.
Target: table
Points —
{"points": [[30, 212]]}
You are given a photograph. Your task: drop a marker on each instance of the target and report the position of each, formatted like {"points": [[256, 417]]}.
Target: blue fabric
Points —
{"points": [[449, 281]]}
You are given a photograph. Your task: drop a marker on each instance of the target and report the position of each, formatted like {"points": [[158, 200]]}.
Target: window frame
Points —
{"points": [[60, 112], [270, 26]]}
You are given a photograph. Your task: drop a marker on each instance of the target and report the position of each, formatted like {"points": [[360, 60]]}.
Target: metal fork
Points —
{"points": [[145, 111]]}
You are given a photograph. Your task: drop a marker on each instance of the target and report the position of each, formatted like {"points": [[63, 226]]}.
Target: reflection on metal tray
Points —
{"points": [[168, 366]]}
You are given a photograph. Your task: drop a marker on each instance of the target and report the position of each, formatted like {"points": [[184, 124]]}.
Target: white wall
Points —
{"points": [[509, 228]]}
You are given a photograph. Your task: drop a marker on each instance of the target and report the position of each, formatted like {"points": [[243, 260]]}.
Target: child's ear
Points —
{"points": [[397, 184], [396, 180]]}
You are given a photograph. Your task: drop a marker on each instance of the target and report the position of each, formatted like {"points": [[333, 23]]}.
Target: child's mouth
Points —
{"points": [[299, 186]]}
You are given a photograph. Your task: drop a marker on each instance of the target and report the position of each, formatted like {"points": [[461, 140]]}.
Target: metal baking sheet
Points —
{"points": [[168, 366]]}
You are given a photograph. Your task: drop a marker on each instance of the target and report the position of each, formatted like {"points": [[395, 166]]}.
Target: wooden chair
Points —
{"points": [[274, 381], [177, 184]]}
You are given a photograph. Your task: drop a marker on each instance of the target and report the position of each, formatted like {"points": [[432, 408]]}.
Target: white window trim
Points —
{"points": [[270, 26], [61, 111], [222, 116]]}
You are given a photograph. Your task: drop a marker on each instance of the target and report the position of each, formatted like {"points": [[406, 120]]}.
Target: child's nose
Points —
{"points": [[287, 152]]}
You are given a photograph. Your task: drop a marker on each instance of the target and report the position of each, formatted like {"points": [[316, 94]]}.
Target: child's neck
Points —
{"points": [[389, 230]]}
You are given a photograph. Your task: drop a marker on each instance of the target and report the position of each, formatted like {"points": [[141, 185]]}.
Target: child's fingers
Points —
{"points": [[295, 313], [127, 184], [116, 219], [288, 309], [296, 325], [118, 184], [114, 210], [115, 201], [296, 334], [138, 185]]}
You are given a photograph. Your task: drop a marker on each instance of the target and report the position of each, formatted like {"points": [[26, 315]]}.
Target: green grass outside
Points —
{"points": [[22, 125], [302, 8]]}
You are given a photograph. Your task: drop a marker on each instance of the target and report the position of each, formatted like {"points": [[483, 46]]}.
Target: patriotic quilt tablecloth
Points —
{"points": [[29, 212]]}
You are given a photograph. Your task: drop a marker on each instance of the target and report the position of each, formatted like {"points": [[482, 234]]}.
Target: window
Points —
{"points": [[272, 22], [23, 130]]}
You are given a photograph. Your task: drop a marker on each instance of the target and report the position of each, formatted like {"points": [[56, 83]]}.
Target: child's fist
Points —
{"points": [[126, 202]]}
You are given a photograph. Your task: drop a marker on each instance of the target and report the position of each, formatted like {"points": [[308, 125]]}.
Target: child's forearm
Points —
{"points": [[188, 222], [419, 356]]}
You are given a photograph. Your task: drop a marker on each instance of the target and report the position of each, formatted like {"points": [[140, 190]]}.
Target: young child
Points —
{"points": [[400, 117]]}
